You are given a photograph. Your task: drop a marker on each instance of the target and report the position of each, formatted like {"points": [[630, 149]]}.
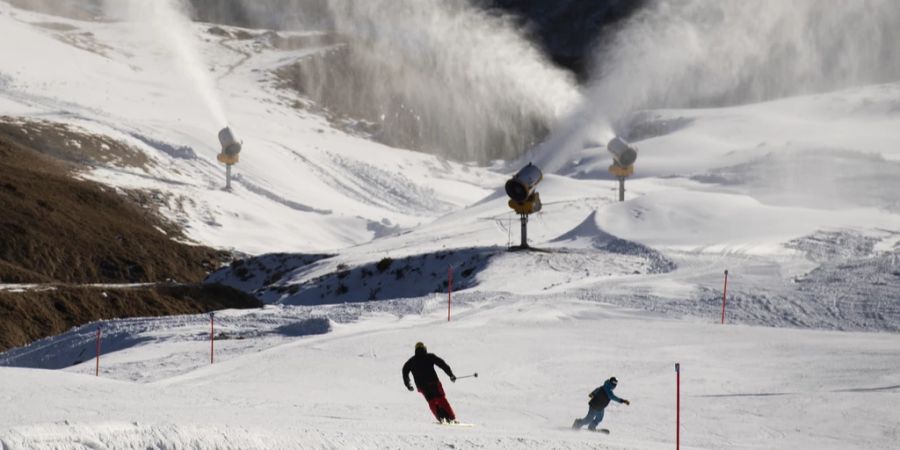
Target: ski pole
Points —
{"points": [[474, 375]]}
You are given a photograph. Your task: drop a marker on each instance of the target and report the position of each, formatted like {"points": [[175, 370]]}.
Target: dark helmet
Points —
{"points": [[613, 381], [420, 347]]}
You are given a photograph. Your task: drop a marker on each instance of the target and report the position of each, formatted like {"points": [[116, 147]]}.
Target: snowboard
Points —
{"points": [[598, 430]]}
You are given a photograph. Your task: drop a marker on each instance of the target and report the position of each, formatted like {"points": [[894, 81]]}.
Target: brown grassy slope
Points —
{"points": [[55, 227], [27, 316]]}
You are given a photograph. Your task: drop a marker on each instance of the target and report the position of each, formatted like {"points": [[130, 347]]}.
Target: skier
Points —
{"points": [[600, 398], [422, 367]]}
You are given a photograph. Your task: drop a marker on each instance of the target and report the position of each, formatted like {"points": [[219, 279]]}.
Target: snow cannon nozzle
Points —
{"points": [[230, 145], [522, 185], [623, 153], [231, 149]]}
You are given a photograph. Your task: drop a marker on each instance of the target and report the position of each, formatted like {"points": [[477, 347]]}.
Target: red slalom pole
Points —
{"points": [[449, 289], [212, 335], [677, 406], [724, 293], [98, 352]]}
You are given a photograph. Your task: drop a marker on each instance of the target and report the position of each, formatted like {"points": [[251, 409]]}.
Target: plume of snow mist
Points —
{"points": [[710, 53], [169, 23], [437, 75], [690, 53]]}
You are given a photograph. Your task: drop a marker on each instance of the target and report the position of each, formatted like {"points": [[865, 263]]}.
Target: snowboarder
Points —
{"points": [[600, 398], [422, 367]]}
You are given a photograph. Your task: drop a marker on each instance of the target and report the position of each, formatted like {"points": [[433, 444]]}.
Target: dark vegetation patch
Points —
{"points": [[387, 278], [384, 264], [254, 273], [65, 143], [34, 314]]}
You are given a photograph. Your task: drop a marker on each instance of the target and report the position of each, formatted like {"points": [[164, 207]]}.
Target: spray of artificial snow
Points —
{"points": [[710, 53], [700, 53], [169, 23], [436, 75]]}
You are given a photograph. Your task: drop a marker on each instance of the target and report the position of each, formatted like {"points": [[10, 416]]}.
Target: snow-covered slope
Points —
{"points": [[536, 357], [730, 185], [352, 243], [302, 185]]}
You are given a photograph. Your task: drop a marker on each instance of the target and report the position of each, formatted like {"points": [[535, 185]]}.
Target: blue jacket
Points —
{"points": [[601, 396]]}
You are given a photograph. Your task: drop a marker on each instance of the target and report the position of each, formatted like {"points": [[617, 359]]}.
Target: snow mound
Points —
{"points": [[602, 240]]}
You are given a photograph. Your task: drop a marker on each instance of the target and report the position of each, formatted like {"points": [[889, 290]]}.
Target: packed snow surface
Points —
{"points": [[352, 245], [537, 358]]}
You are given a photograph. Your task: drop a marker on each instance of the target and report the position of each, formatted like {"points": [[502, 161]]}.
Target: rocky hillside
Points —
{"points": [[570, 30], [567, 29]]}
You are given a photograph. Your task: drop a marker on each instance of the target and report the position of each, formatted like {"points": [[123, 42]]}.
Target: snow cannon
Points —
{"points": [[523, 199], [231, 149], [624, 156], [522, 185]]}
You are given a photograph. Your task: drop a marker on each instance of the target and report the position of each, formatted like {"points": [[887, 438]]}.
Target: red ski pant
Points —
{"points": [[437, 401]]}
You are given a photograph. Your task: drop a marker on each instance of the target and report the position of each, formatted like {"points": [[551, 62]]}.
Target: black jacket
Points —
{"points": [[422, 367], [601, 396]]}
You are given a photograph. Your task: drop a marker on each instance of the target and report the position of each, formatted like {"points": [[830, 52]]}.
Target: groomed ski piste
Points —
{"points": [[537, 358], [349, 243]]}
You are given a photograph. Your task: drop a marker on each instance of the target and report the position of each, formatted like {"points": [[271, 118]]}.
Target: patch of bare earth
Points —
{"points": [[58, 229]]}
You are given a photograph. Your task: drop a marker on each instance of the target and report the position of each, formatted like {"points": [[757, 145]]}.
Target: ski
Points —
{"points": [[455, 424]]}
